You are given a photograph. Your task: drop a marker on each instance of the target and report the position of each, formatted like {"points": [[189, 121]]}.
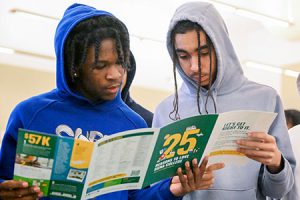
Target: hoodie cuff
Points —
{"points": [[278, 177], [166, 192]]}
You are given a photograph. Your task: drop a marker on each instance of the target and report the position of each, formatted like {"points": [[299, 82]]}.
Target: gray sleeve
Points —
{"points": [[278, 185]]}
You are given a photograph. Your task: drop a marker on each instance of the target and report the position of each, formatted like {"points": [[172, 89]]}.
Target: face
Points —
{"points": [[186, 47], [101, 80]]}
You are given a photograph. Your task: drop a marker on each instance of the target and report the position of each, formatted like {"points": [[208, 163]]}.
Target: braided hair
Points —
{"points": [[180, 28], [90, 33]]}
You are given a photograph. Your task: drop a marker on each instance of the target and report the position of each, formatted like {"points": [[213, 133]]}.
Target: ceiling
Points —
{"points": [[31, 35]]}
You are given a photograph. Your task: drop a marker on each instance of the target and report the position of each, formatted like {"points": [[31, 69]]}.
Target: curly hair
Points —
{"points": [[90, 33]]}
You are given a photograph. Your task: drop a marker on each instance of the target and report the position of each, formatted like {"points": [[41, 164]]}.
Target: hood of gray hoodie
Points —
{"points": [[231, 90], [229, 72]]}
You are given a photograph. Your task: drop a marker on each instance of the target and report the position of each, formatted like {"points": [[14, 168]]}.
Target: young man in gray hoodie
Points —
{"points": [[213, 82]]}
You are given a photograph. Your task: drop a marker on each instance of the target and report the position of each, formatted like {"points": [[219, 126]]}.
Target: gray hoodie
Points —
{"points": [[231, 91]]}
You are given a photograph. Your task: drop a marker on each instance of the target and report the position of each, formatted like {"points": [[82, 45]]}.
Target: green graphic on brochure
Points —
{"points": [[30, 150], [178, 142], [55, 164]]}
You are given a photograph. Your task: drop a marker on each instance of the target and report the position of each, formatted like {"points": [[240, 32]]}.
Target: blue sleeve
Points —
{"points": [[159, 191], [8, 148]]}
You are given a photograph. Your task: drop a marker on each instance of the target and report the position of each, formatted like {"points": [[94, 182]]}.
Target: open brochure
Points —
{"points": [[77, 169]]}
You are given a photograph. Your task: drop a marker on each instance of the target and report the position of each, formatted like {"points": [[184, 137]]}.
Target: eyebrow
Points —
{"points": [[178, 50], [98, 62]]}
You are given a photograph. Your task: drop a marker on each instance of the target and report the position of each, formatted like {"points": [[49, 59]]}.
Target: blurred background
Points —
{"points": [[265, 34]]}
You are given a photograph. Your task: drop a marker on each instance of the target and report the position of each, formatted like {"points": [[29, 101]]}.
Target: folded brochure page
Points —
{"points": [[77, 169]]}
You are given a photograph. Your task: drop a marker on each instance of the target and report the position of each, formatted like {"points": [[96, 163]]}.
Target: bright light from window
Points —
{"points": [[6, 50], [279, 14], [265, 67], [273, 69], [291, 73], [263, 18]]}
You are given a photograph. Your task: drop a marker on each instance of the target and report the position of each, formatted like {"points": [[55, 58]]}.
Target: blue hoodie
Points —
{"points": [[64, 112], [231, 90]]}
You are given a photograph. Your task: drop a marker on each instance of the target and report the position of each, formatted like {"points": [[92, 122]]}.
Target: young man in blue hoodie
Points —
{"points": [[92, 49], [213, 82]]}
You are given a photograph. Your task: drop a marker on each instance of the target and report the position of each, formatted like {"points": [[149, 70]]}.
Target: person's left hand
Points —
{"points": [[262, 147], [196, 178], [20, 190]]}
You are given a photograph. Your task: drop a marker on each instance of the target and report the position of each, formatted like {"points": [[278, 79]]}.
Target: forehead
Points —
{"points": [[106, 45], [105, 48], [190, 38]]}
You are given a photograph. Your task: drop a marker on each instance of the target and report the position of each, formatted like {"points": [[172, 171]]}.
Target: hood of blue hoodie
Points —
{"points": [[229, 71], [72, 16], [130, 76]]}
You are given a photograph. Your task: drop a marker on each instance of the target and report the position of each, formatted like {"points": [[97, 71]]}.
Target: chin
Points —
{"points": [[204, 83], [110, 97]]}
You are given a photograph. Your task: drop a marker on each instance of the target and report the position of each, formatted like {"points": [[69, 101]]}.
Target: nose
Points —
{"points": [[114, 72], [194, 63]]}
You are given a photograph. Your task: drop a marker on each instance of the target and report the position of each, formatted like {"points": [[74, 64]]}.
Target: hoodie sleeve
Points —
{"points": [[159, 191], [8, 148], [278, 185]]}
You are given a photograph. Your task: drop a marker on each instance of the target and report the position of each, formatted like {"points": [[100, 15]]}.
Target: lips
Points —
{"points": [[203, 78], [113, 88]]}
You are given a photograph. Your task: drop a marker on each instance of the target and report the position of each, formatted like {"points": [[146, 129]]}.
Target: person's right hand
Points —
{"points": [[20, 190], [196, 177]]}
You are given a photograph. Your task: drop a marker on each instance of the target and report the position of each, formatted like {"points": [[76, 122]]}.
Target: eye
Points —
{"points": [[99, 65], [205, 53], [183, 56]]}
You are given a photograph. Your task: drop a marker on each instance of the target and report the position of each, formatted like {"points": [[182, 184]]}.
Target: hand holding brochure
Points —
{"points": [[76, 169]]}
